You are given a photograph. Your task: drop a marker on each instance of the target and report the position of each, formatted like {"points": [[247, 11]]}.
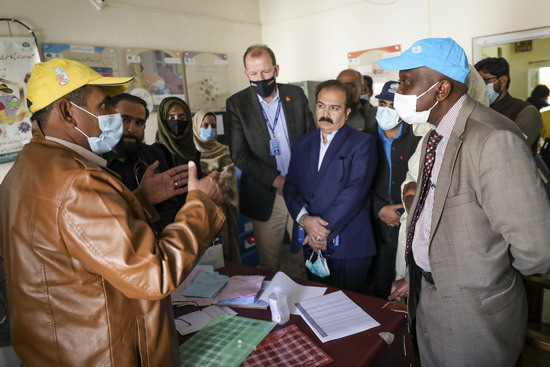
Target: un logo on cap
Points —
{"points": [[416, 49]]}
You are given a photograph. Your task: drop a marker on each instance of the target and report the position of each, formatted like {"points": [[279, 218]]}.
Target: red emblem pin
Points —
{"points": [[287, 99]]}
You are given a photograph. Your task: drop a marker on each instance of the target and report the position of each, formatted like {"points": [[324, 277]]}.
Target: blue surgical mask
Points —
{"points": [[387, 118], [319, 267], [491, 94], [207, 134], [111, 132]]}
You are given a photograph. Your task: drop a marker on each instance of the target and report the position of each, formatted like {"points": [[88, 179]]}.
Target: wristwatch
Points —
{"points": [[302, 221]]}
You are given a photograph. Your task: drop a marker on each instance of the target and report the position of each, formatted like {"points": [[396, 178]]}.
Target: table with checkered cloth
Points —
{"points": [[287, 347]]}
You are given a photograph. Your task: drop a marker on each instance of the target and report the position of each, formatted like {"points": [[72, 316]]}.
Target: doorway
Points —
{"points": [[527, 52]]}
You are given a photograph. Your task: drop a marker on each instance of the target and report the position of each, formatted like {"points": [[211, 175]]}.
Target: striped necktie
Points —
{"points": [[429, 160]]}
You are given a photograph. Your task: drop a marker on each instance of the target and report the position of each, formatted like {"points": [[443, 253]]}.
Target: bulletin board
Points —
{"points": [[207, 85]]}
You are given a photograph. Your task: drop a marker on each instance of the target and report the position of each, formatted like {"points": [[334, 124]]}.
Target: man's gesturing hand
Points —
{"points": [[212, 185]]}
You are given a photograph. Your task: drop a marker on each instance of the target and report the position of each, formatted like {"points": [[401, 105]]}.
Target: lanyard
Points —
{"points": [[272, 129]]}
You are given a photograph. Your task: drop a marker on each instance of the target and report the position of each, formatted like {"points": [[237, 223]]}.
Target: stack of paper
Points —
{"points": [[195, 321], [178, 299], [241, 290], [335, 316], [206, 284]]}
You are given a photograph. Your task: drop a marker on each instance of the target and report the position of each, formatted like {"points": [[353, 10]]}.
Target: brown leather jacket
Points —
{"points": [[87, 279]]}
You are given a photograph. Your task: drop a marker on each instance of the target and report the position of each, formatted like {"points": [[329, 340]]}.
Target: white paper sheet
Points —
{"points": [[335, 316], [294, 291], [198, 319]]}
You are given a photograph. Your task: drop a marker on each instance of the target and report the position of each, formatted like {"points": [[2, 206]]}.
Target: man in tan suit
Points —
{"points": [[479, 220]]}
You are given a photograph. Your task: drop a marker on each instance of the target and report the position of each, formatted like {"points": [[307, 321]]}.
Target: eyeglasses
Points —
{"points": [[486, 80]]}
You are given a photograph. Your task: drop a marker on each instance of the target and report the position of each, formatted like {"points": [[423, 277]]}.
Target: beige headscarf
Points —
{"points": [[215, 156]]}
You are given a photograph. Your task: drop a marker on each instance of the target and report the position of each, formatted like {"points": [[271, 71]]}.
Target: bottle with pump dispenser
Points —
{"points": [[279, 306]]}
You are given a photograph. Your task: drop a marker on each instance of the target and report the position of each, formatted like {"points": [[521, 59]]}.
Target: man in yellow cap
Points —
{"points": [[87, 278]]}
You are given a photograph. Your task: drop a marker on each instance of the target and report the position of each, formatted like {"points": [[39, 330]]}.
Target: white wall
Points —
{"points": [[311, 37], [205, 25]]}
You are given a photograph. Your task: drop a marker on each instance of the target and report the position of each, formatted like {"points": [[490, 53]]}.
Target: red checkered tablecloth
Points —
{"points": [[287, 347]]}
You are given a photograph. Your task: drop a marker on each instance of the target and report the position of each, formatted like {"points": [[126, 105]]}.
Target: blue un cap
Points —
{"points": [[443, 55], [388, 91]]}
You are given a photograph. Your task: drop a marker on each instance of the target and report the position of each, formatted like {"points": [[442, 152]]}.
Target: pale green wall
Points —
{"points": [[521, 62]]}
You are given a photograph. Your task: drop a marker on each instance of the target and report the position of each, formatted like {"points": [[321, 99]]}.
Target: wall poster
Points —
{"points": [[101, 59], [206, 74], [365, 62], [17, 57], [157, 74]]}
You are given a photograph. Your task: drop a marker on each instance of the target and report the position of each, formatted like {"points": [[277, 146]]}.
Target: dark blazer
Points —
{"points": [[338, 192], [249, 144], [167, 209], [402, 149]]}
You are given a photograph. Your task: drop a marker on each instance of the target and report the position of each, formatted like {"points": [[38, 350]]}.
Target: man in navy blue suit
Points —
{"points": [[326, 192]]}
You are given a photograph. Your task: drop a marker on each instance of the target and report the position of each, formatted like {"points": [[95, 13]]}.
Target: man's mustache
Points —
{"points": [[129, 136], [327, 119]]}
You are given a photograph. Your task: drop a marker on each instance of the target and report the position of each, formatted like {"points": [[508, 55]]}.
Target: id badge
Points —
{"points": [[274, 147]]}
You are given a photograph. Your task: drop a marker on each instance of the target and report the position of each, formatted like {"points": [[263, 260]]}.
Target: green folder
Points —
{"points": [[225, 342]]}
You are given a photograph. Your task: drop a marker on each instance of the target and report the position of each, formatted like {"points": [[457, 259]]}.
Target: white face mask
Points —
{"points": [[387, 118], [111, 132], [491, 94], [405, 105]]}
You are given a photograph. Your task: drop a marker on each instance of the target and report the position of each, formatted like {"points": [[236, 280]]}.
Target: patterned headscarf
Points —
{"points": [[183, 149], [216, 156]]}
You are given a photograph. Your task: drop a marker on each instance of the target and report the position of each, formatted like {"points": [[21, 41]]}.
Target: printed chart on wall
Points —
{"points": [[206, 74], [17, 57], [157, 74], [101, 59], [365, 62]]}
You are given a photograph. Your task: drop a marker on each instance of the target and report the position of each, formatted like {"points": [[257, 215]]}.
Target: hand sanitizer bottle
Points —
{"points": [[279, 306]]}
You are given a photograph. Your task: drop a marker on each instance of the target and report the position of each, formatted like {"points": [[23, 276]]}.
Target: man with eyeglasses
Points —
{"points": [[131, 156], [495, 71]]}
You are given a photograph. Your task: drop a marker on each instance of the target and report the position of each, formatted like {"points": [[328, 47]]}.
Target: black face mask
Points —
{"points": [[264, 88], [177, 127]]}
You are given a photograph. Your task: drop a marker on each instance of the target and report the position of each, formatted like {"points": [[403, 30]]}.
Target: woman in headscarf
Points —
{"points": [[175, 134], [215, 156]]}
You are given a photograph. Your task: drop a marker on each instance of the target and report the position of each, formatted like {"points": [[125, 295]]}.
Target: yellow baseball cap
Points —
{"points": [[56, 78]]}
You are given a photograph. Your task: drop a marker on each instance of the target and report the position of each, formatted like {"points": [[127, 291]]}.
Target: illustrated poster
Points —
{"points": [[101, 59], [206, 74], [157, 74], [365, 62], [17, 57]]}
